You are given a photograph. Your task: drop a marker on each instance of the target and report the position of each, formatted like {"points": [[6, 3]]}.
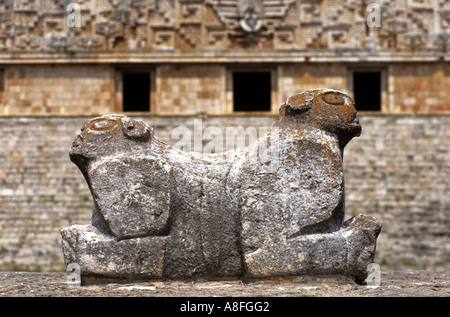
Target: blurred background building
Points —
{"points": [[230, 63]]}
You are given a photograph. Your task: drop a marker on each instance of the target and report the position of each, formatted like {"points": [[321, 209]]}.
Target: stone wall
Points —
{"points": [[57, 89], [192, 89], [311, 76], [397, 171], [420, 89]]}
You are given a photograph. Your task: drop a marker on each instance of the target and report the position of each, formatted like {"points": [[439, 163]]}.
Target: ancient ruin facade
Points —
{"points": [[197, 56]]}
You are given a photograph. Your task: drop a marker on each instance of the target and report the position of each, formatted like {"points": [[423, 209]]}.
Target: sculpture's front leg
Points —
{"points": [[132, 194], [346, 252], [361, 234], [102, 256]]}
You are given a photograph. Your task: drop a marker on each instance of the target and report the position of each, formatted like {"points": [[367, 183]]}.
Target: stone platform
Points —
{"points": [[393, 284]]}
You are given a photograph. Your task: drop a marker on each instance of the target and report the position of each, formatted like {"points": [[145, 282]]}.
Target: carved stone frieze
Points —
{"points": [[143, 26]]}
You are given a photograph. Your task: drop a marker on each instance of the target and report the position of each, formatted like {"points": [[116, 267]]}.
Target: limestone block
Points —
{"points": [[275, 208]]}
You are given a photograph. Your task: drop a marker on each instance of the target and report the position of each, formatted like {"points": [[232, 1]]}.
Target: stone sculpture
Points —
{"points": [[275, 208]]}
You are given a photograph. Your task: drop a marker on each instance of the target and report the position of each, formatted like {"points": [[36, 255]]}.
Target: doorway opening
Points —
{"points": [[367, 90], [251, 91], [136, 92]]}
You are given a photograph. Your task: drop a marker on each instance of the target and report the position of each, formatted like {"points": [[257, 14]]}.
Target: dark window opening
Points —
{"points": [[2, 87], [251, 91], [136, 92], [367, 90]]}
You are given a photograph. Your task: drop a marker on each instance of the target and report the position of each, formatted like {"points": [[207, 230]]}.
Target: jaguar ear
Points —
{"points": [[301, 102], [135, 129]]}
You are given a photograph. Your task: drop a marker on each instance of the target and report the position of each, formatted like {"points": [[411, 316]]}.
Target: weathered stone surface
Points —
{"points": [[393, 284], [103, 255], [275, 208]]}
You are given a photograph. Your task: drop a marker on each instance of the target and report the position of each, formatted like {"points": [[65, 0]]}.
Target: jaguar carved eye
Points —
{"points": [[102, 125], [334, 99]]}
